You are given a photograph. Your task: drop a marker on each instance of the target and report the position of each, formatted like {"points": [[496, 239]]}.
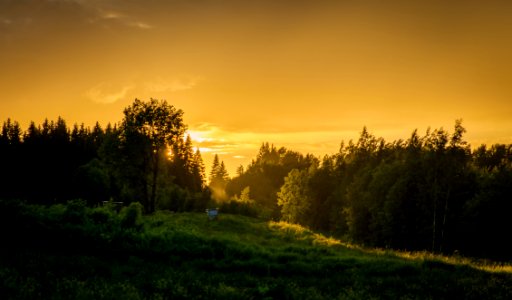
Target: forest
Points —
{"points": [[428, 192]]}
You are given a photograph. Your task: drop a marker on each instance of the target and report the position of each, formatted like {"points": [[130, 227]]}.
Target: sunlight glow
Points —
{"points": [[202, 149], [305, 88], [199, 137], [298, 232], [301, 233]]}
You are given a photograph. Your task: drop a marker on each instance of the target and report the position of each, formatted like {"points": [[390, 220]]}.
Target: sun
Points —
{"points": [[198, 137]]}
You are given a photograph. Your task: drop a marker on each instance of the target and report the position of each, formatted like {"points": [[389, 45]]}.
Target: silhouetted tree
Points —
{"points": [[240, 170], [219, 178], [429, 192], [215, 168], [149, 128], [186, 166], [265, 176]]}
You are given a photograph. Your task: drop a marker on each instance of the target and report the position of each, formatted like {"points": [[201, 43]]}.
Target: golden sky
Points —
{"points": [[300, 74]]}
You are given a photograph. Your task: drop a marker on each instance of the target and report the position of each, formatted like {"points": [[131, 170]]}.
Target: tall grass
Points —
{"points": [[72, 251]]}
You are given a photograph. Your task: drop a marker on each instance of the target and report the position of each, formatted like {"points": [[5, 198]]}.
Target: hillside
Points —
{"points": [[75, 252]]}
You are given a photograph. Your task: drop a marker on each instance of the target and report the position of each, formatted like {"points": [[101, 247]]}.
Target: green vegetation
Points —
{"points": [[72, 251], [427, 193], [145, 158]]}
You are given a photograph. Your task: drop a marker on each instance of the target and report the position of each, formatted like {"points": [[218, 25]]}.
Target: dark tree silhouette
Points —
{"points": [[219, 178], [266, 174], [428, 192], [149, 129]]}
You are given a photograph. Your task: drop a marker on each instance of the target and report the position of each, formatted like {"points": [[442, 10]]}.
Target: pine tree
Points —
{"points": [[215, 168], [11, 132], [4, 138], [198, 170], [240, 171], [188, 156], [97, 135], [219, 178], [222, 174], [33, 133]]}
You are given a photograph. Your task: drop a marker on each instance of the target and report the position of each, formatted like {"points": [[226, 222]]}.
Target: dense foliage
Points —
{"points": [[146, 158], [426, 193], [265, 175], [430, 192], [71, 251]]}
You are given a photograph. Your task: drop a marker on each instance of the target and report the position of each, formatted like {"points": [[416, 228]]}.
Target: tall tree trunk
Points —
{"points": [[146, 194], [152, 200], [144, 180], [443, 226], [434, 225]]}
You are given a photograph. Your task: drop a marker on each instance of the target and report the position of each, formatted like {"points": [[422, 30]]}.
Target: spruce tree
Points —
{"points": [[215, 168]]}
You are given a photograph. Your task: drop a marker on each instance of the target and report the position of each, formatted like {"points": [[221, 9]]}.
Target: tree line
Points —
{"points": [[146, 158], [430, 192]]}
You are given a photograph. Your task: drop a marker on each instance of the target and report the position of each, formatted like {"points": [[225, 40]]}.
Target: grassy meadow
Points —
{"points": [[75, 252]]}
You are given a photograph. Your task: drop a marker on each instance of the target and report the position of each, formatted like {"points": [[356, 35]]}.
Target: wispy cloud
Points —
{"points": [[218, 140], [5, 21], [107, 17], [123, 19], [105, 93], [105, 13], [111, 15], [19, 21], [140, 25], [172, 85]]}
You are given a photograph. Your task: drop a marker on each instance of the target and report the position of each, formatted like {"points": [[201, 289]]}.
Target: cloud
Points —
{"points": [[120, 18], [16, 21], [111, 15], [141, 25], [107, 93], [108, 14], [172, 85], [5, 21], [105, 14]]}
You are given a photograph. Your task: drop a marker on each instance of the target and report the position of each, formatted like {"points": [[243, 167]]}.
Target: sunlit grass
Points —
{"points": [[303, 234], [259, 233], [184, 255], [453, 260]]}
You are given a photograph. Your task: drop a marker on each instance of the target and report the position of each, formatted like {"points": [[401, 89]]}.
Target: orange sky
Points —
{"points": [[301, 74]]}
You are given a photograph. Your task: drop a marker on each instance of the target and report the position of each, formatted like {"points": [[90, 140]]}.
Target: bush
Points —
{"points": [[239, 208], [131, 216], [102, 215], [172, 198], [75, 212]]}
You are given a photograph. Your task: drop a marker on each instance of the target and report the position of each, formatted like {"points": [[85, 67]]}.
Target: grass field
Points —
{"points": [[74, 252]]}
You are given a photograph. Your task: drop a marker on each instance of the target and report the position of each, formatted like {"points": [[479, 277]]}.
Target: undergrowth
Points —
{"points": [[75, 252]]}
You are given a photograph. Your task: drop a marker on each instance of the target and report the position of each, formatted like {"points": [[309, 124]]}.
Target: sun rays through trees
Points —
{"points": [[428, 192]]}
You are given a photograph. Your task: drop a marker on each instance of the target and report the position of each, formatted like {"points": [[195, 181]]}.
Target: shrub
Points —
{"points": [[102, 215], [239, 208], [75, 212], [131, 216]]}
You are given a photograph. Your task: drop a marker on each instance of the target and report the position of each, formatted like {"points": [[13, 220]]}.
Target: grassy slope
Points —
{"points": [[186, 256]]}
